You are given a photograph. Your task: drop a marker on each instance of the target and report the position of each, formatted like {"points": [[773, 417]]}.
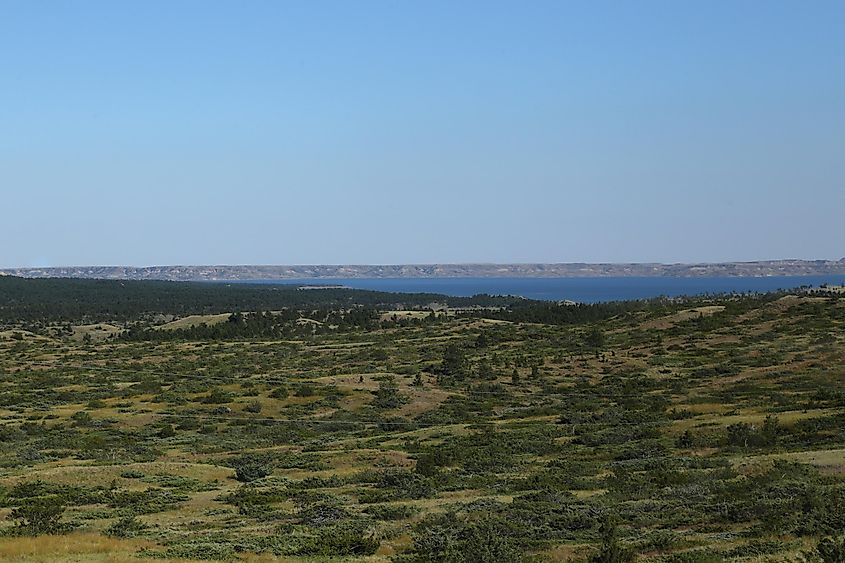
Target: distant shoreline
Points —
{"points": [[573, 290], [767, 268]]}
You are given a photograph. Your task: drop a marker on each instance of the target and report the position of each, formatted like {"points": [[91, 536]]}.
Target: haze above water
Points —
{"points": [[584, 290]]}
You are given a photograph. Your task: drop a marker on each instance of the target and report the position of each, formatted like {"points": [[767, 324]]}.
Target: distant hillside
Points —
{"points": [[210, 273], [97, 300]]}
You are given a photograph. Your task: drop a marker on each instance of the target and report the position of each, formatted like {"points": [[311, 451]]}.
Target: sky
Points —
{"points": [[385, 132]]}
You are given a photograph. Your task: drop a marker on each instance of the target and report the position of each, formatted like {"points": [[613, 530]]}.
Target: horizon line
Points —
{"points": [[424, 264]]}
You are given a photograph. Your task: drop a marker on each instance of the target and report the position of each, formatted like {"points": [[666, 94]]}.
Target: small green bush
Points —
{"points": [[126, 527], [40, 515], [251, 471]]}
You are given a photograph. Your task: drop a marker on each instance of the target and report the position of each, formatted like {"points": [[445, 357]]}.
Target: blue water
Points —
{"points": [[584, 290]]}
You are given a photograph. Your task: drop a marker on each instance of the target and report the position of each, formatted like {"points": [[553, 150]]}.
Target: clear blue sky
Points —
{"points": [[230, 132]]}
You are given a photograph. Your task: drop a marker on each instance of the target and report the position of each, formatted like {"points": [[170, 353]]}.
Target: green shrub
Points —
{"points": [[251, 471], [253, 407], [148, 501], [280, 393], [305, 390], [126, 527], [387, 395], [202, 550], [340, 540], [217, 397], [40, 515], [611, 550], [451, 539], [392, 511], [831, 550]]}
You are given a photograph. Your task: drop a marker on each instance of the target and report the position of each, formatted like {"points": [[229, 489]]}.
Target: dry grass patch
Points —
{"points": [[195, 320], [669, 321], [95, 332], [828, 461], [77, 547]]}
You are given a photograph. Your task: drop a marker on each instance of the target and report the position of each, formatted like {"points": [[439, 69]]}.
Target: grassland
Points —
{"points": [[691, 431]]}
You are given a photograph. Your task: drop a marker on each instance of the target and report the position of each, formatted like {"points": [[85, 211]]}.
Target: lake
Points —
{"points": [[584, 290]]}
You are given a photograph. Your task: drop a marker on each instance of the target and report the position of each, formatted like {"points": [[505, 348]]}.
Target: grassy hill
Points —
{"points": [[690, 430]]}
